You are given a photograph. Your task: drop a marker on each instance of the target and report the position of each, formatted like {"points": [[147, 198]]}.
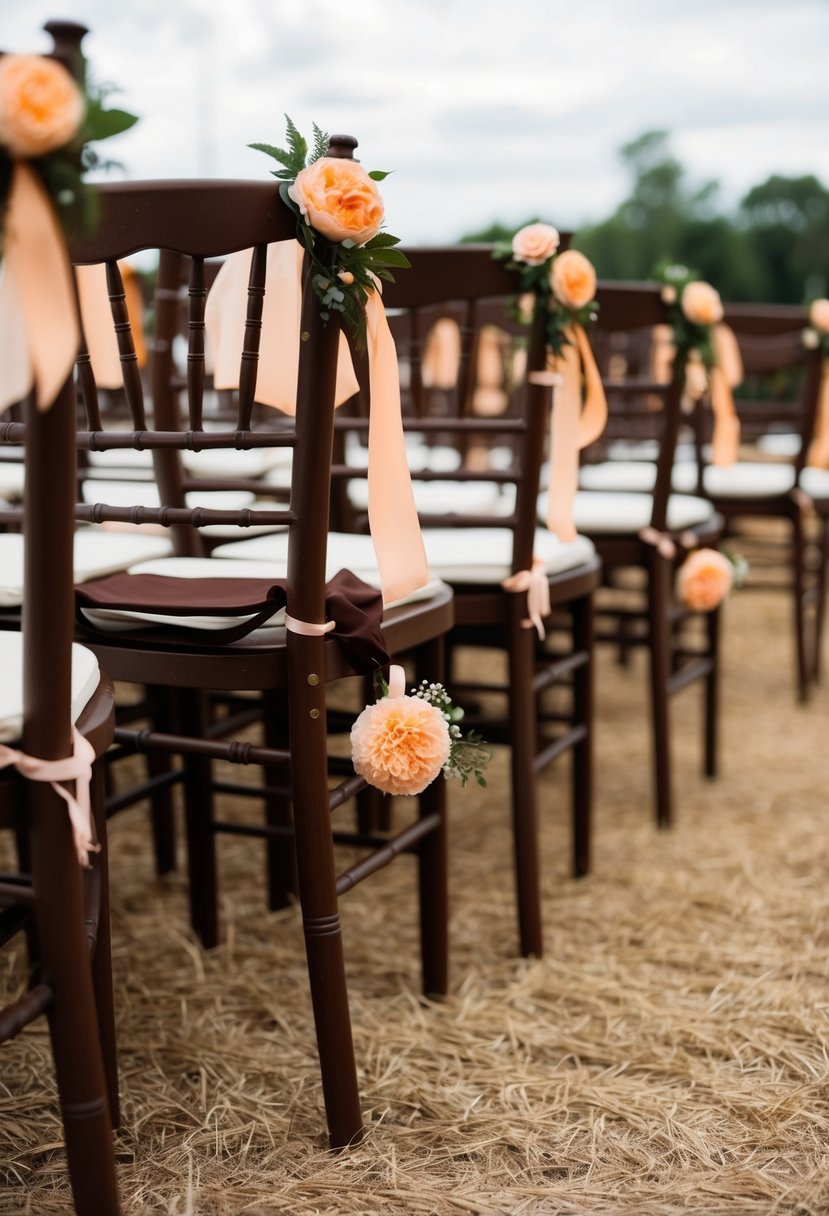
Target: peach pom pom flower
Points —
{"points": [[402, 743], [705, 579]]}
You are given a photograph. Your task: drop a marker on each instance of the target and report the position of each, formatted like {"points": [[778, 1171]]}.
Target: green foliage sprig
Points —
{"points": [[343, 274], [468, 754], [688, 337]]}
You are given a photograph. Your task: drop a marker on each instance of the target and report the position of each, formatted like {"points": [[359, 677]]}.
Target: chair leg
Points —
{"points": [[82, 1086], [433, 882], [281, 863], [820, 613], [582, 770], [102, 956], [162, 810], [318, 892], [198, 803], [659, 644], [799, 588], [713, 623], [523, 747]]}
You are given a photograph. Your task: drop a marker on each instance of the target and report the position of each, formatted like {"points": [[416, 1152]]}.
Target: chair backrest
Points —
{"points": [[639, 407], [781, 382], [188, 222], [465, 284]]}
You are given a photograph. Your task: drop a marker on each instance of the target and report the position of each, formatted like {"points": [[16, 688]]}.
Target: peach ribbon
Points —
{"points": [[397, 681], [819, 449], [578, 418], [96, 318], [308, 629], [717, 381], [537, 586], [392, 515], [441, 355], [78, 768], [39, 332]]}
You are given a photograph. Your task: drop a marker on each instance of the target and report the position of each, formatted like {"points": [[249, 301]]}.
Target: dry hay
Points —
{"points": [[667, 1055]]}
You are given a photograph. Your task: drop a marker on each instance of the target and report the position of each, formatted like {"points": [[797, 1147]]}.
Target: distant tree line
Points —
{"points": [[774, 248]]}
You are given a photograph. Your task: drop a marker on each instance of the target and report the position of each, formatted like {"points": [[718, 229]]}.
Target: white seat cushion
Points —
{"points": [[97, 553], [456, 555], [444, 497], [815, 482], [634, 475], [145, 494], [85, 679], [597, 511], [12, 479], [228, 462], [779, 443], [745, 479]]}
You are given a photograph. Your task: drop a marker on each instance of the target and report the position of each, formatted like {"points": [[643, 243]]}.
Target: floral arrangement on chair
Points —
{"points": [[47, 121], [707, 576], [401, 743], [816, 335], [339, 214], [709, 349]]}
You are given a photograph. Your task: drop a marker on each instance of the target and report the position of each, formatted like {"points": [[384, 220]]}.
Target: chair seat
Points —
{"points": [[445, 497], [779, 443], [244, 566], [85, 679], [456, 555], [595, 511], [228, 462], [131, 494], [610, 475], [12, 479], [97, 553], [745, 479], [815, 483]]}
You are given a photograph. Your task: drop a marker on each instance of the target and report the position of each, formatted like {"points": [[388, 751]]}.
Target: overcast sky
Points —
{"points": [[483, 110]]}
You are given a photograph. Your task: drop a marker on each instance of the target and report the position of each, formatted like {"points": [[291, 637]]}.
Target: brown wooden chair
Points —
{"points": [[651, 531], [475, 548], [780, 390], [63, 908], [192, 221]]}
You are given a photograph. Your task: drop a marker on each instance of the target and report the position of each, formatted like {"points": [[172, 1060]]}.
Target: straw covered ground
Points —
{"points": [[667, 1055]]}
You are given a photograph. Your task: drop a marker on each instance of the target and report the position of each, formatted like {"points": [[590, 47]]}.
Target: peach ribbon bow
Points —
{"points": [[578, 418], [96, 318], [39, 330], [77, 768], [392, 515], [537, 586]]}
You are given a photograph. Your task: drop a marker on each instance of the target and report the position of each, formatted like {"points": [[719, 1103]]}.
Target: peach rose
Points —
{"points": [[400, 744], [41, 107], [819, 315], [704, 580], [339, 199], [534, 243], [573, 279], [701, 303]]}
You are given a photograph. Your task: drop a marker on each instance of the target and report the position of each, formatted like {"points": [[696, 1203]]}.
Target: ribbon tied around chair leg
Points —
{"points": [[77, 768], [536, 584]]}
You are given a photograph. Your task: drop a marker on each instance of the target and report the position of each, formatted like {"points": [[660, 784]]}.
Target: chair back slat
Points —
{"points": [[253, 333], [196, 297], [133, 388]]}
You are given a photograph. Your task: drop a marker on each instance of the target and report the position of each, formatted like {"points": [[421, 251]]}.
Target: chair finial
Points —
{"points": [[342, 146], [67, 37]]}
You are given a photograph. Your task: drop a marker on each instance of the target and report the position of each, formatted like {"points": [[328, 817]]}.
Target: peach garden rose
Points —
{"points": [[701, 303], [400, 744], [573, 279], [535, 243], [819, 315], [704, 580], [339, 200], [41, 107]]}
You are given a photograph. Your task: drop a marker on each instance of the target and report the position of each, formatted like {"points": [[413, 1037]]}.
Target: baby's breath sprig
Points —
{"points": [[468, 754]]}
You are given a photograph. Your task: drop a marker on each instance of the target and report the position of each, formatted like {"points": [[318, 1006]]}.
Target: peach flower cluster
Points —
{"points": [[339, 200], [41, 107], [701, 303], [573, 279], [535, 243], [704, 580], [400, 744], [819, 315]]}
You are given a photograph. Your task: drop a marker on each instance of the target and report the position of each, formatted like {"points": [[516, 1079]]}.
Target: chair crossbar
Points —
{"points": [[403, 842], [21, 1013]]}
